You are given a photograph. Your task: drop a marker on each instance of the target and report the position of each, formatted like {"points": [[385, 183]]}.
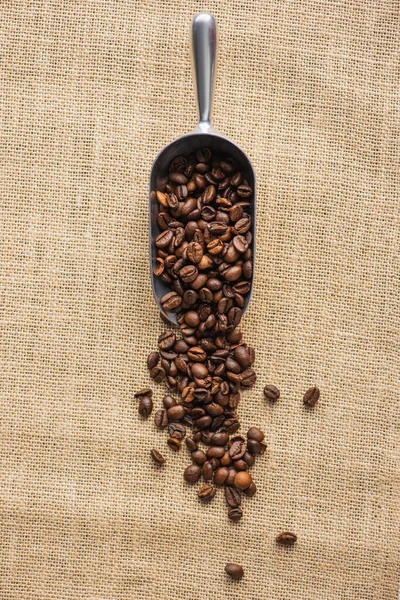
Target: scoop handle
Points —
{"points": [[204, 49]]}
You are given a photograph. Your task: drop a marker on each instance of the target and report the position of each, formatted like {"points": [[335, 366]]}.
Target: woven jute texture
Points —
{"points": [[90, 91]]}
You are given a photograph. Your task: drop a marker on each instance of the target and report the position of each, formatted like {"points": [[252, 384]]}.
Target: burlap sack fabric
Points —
{"points": [[90, 91]]}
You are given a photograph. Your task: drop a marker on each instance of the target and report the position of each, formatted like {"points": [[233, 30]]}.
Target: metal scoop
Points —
{"points": [[204, 46]]}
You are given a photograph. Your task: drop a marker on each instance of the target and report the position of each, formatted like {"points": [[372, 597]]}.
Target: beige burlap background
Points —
{"points": [[90, 91]]}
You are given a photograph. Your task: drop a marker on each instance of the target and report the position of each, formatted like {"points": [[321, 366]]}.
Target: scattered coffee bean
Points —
{"points": [[232, 497], [255, 434], [174, 444], [286, 538], [157, 457], [234, 571], [206, 493], [192, 474], [161, 419], [271, 393], [235, 514], [144, 392], [242, 480], [145, 406], [311, 397]]}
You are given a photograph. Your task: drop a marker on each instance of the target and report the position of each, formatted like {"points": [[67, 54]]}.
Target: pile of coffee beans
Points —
{"points": [[204, 254]]}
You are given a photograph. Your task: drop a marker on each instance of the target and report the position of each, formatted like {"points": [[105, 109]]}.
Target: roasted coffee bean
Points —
{"points": [[241, 465], [235, 514], [215, 452], [171, 301], [311, 397], [161, 419], [203, 155], [207, 471], [206, 493], [176, 413], [145, 406], [144, 392], [234, 571], [166, 340], [231, 477], [226, 460], [192, 474], [191, 444], [248, 378], [221, 475], [220, 439], [242, 480], [199, 457], [157, 457], [254, 447], [255, 434], [168, 401], [203, 422], [286, 538], [251, 490], [237, 448], [178, 178], [232, 496], [196, 354], [174, 444], [177, 430], [231, 425], [164, 239], [249, 458], [242, 356], [271, 393]]}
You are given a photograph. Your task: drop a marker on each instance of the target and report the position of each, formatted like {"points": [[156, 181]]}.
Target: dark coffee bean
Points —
{"points": [[181, 192], [174, 444], [199, 282], [232, 496], [240, 243], [235, 514], [251, 490], [202, 167], [231, 425], [161, 419], [203, 155], [203, 422], [254, 447], [157, 457], [209, 194], [247, 269], [234, 337], [286, 538], [217, 423], [194, 252], [221, 475], [242, 356], [163, 219], [227, 166], [255, 434], [178, 164], [248, 378], [231, 477], [242, 480], [164, 238], [196, 354], [192, 474], [199, 457], [214, 409], [207, 471], [206, 493], [169, 401], [177, 430], [166, 340], [199, 370], [171, 301], [192, 318], [311, 397], [244, 190], [241, 465], [191, 444], [159, 267], [249, 458], [144, 392], [188, 273], [206, 437], [237, 448], [234, 571], [220, 439], [233, 273], [145, 406], [215, 452], [232, 365], [177, 177], [200, 181], [176, 413], [242, 287]]}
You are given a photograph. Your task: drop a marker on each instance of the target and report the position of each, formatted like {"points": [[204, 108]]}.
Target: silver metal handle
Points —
{"points": [[204, 48]]}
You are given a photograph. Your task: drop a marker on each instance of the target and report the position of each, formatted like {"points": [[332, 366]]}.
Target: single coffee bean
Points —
{"points": [[234, 571], [207, 471], [271, 393], [235, 514], [241, 465], [166, 340], [249, 458], [177, 430], [220, 439], [221, 475], [203, 422], [144, 392], [157, 457], [191, 444], [171, 301], [242, 356], [161, 419], [174, 444], [206, 493], [215, 452], [237, 448], [169, 401], [232, 496], [311, 397], [192, 474], [164, 238], [178, 178], [176, 413], [203, 155], [199, 457], [197, 354], [254, 447], [251, 490], [152, 360], [255, 434], [242, 480], [286, 538], [248, 378], [230, 480], [145, 406], [226, 460], [192, 318]]}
